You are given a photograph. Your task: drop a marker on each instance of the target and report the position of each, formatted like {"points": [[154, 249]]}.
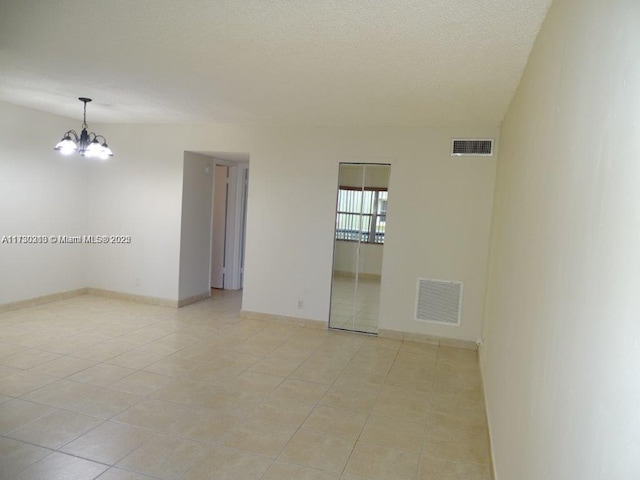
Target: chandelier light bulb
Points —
{"points": [[66, 146], [106, 149], [106, 152], [94, 149]]}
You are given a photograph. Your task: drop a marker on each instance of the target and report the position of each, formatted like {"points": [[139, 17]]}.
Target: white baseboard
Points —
{"points": [[130, 297], [423, 338], [295, 321], [35, 301], [196, 298], [492, 465]]}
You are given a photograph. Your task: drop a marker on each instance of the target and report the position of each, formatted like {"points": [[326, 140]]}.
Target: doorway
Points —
{"points": [[228, 222], [361, 219]]}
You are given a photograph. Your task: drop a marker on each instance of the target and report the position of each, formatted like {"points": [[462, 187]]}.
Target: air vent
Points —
{"points": [[439, 301], [472, 147]]}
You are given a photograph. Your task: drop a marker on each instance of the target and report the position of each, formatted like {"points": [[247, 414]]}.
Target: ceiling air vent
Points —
{"points": [[472, 147], [439, 301]]}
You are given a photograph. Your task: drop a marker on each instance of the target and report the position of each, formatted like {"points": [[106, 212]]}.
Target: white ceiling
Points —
{"points": [[293, 62]]}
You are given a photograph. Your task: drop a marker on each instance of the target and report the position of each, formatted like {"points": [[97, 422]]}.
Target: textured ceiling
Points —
{"points": [[292, 62]]}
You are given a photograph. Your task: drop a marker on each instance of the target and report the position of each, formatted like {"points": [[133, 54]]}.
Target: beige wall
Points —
{"points": [[561, 358]]}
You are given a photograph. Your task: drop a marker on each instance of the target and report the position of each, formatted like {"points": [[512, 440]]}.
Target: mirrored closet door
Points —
{"points": [[361, 218]]}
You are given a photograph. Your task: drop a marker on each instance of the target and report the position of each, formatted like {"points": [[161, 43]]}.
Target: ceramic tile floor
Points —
{"points": [[355, 308], [98, 388]]}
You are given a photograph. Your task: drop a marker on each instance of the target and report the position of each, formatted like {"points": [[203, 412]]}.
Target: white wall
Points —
{"points": [[138, 192], [438, 220], [438, 226], [561, 357], [195, 237], [439, 213], [41, 193]]}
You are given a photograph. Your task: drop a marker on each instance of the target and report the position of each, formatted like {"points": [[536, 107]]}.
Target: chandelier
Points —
{"points": [[87, 144]]}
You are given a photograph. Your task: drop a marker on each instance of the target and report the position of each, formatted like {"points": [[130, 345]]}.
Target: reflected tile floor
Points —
{"points": [[355, 309], [98, 388]]}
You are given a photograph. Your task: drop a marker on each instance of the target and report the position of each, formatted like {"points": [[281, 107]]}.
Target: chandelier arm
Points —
{"points": [[74, 133]]}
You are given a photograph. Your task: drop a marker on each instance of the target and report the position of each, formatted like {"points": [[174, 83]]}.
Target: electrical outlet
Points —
{"points": [[137, 282], [300, 304]]}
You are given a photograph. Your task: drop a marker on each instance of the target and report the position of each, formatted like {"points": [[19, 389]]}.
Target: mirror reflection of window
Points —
{"points": [[361, 215]]}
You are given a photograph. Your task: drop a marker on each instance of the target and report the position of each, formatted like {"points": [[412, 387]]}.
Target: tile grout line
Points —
{"points": [[370, 410]]}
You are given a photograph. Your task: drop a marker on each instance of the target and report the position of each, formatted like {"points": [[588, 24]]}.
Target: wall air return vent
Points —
{"points": [[471, 147], [439, 301]]}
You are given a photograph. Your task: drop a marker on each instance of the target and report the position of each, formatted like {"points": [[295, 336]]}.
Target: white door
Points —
{"points": [[219, 233]]}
